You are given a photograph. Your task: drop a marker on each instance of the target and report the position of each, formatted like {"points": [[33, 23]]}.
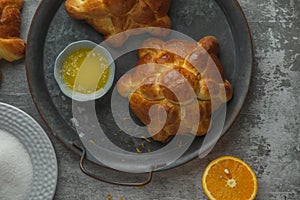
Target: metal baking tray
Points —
{"points": [[52, 29]]}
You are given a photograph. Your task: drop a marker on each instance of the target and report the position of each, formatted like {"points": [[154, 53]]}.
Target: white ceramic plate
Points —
{"points": [[38, 146]]}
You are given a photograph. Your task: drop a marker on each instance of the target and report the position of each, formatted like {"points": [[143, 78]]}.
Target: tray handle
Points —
{"points": [[90, 174]]}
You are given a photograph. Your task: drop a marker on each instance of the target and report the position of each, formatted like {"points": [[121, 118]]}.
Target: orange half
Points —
{"points": [[229, 178]]}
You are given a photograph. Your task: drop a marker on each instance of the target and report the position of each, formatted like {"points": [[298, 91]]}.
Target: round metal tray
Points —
{"points": [[52, 29]]}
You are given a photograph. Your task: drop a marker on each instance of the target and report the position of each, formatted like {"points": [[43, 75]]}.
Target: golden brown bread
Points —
{"points": [[11, 46], [176, 67], [111, 17]]}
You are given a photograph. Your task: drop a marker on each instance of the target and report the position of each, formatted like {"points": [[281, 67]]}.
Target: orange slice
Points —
{"points": [[229, 178]]}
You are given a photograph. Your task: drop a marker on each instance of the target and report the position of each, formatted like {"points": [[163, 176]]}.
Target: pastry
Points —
{"points": [[11, 46], [173, 79], [111, 17]]}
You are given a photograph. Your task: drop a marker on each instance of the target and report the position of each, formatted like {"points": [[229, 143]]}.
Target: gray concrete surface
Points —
{"points": [[266, 133]]}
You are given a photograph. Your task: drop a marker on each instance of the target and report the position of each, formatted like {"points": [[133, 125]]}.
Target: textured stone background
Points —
{"points": [[266, 133]]}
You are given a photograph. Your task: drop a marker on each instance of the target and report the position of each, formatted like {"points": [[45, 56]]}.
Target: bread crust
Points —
{"points": [[11, 46], [171, 82], [111, 17]]}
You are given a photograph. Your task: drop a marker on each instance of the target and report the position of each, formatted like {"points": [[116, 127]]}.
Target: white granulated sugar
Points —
{"points": [[15, 168]]}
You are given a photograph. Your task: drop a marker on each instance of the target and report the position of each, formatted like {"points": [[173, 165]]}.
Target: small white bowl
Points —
{"points": [[59, 65]]}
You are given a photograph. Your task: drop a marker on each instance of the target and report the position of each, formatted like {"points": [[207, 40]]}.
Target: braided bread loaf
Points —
{"points": [[172, 79], [11, 46], [110, 17]]}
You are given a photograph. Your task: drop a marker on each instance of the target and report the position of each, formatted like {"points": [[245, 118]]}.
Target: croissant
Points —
{"points": [[11, 46], [157, 86], [111, 17]]}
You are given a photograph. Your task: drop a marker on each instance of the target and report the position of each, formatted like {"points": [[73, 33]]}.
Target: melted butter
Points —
{"points": [[86, 71]]}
